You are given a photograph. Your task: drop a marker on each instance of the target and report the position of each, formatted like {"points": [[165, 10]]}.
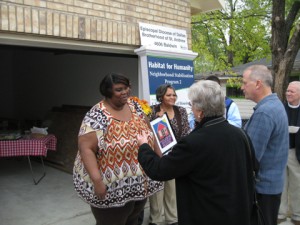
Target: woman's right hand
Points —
{"points": [[100, 189], [88, 144]]}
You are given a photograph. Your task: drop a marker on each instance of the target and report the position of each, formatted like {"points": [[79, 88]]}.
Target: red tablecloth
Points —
{"points": [[28, 147]]}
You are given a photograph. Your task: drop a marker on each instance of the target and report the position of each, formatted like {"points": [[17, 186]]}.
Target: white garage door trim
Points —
{"points": [[46, 42]]}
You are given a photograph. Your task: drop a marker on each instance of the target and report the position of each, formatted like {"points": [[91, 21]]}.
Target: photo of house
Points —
{"points": [[163, 133]]}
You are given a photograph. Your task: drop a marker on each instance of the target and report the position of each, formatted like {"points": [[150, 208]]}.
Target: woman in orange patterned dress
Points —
{"points": [[106, 173]]}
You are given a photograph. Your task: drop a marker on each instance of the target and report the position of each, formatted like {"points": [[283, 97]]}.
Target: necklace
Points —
{"points": [[166, 109], [169, 111]]}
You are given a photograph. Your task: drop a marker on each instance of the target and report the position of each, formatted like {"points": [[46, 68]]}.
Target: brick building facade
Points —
{"points": [[53, 54], [94, 21]]}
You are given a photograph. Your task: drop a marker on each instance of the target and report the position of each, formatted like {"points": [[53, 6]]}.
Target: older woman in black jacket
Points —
{"points": [[212, 165]]}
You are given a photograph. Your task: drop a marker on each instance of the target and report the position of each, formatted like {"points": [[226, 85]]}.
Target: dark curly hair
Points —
{"points": [[109, 80]]}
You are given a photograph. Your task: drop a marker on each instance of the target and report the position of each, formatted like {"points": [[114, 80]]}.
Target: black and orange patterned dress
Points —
{"points": [[116, 158]]}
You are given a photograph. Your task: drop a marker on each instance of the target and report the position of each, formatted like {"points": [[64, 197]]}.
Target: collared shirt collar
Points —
{"points": [[265, 99], [293, 106]]}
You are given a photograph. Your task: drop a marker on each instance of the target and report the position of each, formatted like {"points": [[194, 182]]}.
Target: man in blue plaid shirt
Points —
{"points": [[268, 131]]}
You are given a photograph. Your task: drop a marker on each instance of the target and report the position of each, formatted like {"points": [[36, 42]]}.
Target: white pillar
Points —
{"points": [[143, 52]]}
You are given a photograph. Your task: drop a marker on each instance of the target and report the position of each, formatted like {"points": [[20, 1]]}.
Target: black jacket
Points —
{"points": [[297, 136], [213, 171]]}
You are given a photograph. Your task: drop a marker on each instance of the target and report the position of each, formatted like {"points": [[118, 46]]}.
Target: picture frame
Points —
{"points": [[163, 133]]}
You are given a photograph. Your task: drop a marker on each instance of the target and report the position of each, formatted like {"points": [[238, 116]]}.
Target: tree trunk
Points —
{"points": [[278, 45], [280, 83], [284, 48]]}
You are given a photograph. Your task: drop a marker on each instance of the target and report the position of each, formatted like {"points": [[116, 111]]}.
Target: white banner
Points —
{"points": [[163, 37]]}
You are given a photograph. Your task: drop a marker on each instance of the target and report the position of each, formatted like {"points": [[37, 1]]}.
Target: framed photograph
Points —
{"points": [[163, 133]]}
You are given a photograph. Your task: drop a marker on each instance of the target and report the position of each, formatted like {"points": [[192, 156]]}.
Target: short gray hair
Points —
{"points": [[206, 95], [260, 72], [297, 83]]}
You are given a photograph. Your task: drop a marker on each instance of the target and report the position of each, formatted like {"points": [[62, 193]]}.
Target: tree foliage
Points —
{"points": [[236, 35], [249, 30]]}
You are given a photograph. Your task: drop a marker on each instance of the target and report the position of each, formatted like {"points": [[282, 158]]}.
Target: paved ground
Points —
{"points": [[245, 107], [52, 202], [287, 222]]}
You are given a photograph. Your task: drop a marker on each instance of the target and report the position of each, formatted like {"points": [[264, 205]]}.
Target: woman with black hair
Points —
{"points": [[106, 173]]}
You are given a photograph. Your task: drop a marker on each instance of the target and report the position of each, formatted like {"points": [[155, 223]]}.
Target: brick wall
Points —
{"points": [[105, 21]]}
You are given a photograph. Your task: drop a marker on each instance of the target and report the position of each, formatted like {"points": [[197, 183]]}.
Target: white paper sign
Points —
{"points": [[293, 129], [163, 37]]}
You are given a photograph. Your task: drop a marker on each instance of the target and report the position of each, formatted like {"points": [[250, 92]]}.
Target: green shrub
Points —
{"points": [[234, 82]]}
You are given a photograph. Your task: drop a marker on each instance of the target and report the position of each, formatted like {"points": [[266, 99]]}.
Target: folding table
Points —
{"points": [[29, 147]]}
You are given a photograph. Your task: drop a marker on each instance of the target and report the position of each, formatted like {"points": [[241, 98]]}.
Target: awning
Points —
{"points": [[201, 6]]}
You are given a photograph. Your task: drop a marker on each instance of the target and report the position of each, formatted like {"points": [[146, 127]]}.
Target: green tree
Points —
{"points": [[249, 30], [236, 35]]}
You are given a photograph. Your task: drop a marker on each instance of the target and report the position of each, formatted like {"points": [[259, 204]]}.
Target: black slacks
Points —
{"points": [[125, 215], [270, 206]]}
